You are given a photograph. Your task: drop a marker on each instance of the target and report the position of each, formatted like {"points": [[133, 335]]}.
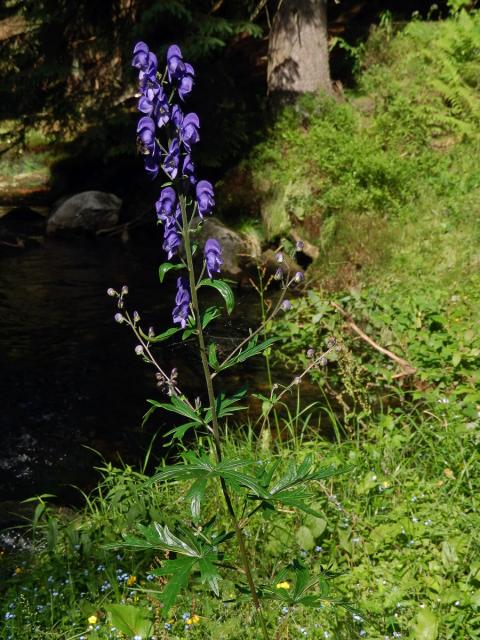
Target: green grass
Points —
{"points": [[400, 527]]}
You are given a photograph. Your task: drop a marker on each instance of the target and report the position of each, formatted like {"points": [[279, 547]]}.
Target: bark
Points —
{"points": [[298, 49]]}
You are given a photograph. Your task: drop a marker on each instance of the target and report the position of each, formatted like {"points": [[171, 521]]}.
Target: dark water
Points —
{"points": [[69, 377]]}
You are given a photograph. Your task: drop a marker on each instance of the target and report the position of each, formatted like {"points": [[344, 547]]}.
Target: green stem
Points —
{"points": [[213, 408]]}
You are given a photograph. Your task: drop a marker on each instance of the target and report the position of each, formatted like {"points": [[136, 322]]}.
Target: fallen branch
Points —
{"points": [[407, 368]]}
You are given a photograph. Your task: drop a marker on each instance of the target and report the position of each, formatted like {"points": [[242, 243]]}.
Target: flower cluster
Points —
{"points": [[182, 132]]}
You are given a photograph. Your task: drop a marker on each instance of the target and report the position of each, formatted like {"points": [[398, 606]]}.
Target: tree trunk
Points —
{"points": [[298, 50]]}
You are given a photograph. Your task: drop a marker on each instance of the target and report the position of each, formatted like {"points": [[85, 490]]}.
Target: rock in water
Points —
{"points": [[88, 211]]}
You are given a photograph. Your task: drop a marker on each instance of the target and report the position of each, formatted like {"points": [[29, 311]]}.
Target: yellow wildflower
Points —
{"points": [[92, 620], [18, 570], [283, 585], [188, 621], [131, 581], [195, 619]]}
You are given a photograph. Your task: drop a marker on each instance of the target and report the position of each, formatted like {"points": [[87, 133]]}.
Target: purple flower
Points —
{"points": [[171, 160], [152, 163], [146, 62], [146, 136], [213, 260], [162, 109], [286, 305], [182, 303], [165, 205], [189, 130], [147, 102], [186, 81], [177, 117], [140, 56], [205, 199], [171, 238], [146, 133], [188, 169], [175, 64]]}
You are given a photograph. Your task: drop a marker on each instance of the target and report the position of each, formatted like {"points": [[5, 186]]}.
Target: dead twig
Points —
{"points": [[407, 368]]}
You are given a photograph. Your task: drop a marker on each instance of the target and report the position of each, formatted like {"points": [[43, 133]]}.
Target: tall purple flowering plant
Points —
{"points": [[167, 138]]}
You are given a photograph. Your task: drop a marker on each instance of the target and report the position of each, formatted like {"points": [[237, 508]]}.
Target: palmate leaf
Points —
{"points": [[183, 566], [204, 469], [288, 489]]}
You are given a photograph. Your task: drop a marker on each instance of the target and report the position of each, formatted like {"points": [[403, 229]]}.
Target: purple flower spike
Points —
{"points": [[182, 303], [186, 81], [189, 131], [213, 260], [175, 64], [165, 204], [205, 199], [170, 163]]}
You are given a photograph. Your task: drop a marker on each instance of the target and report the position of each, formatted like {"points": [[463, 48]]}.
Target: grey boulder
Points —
{"points": [[88, 211]]}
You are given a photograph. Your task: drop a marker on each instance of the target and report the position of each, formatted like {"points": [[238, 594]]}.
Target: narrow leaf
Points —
{"points": [[168, 266], [223, 288]]}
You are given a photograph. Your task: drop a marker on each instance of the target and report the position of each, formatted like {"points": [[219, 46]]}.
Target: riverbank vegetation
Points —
{"points": [[386, 185]]}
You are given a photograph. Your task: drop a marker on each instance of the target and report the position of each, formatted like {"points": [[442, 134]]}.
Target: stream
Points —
{"points": [[70, 382]]}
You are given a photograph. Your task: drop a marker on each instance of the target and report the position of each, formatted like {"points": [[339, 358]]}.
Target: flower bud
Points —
{"points": [[119, 318], [279, 256], [299, 277], [323, 361], [297, 380], [331, 342], [124, 290], [111, 292], [278, 274], [139, 350], [286, 305], [151, 332], [136, 317], [310, 353], [299, 245]]}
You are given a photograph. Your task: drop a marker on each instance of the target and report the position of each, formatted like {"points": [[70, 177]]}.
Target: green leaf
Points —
{"points": [[161, 337], [304, 538], [209, 573], [212, 356], [252, 349], [168, 266], [212, 313], [179, 406], [223, 288], [196, 494], [178, 432], [180, 570], [426, 626], [133, 621]]}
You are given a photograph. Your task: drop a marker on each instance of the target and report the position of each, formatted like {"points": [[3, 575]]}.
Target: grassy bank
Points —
{"points": [[386, 185]]}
